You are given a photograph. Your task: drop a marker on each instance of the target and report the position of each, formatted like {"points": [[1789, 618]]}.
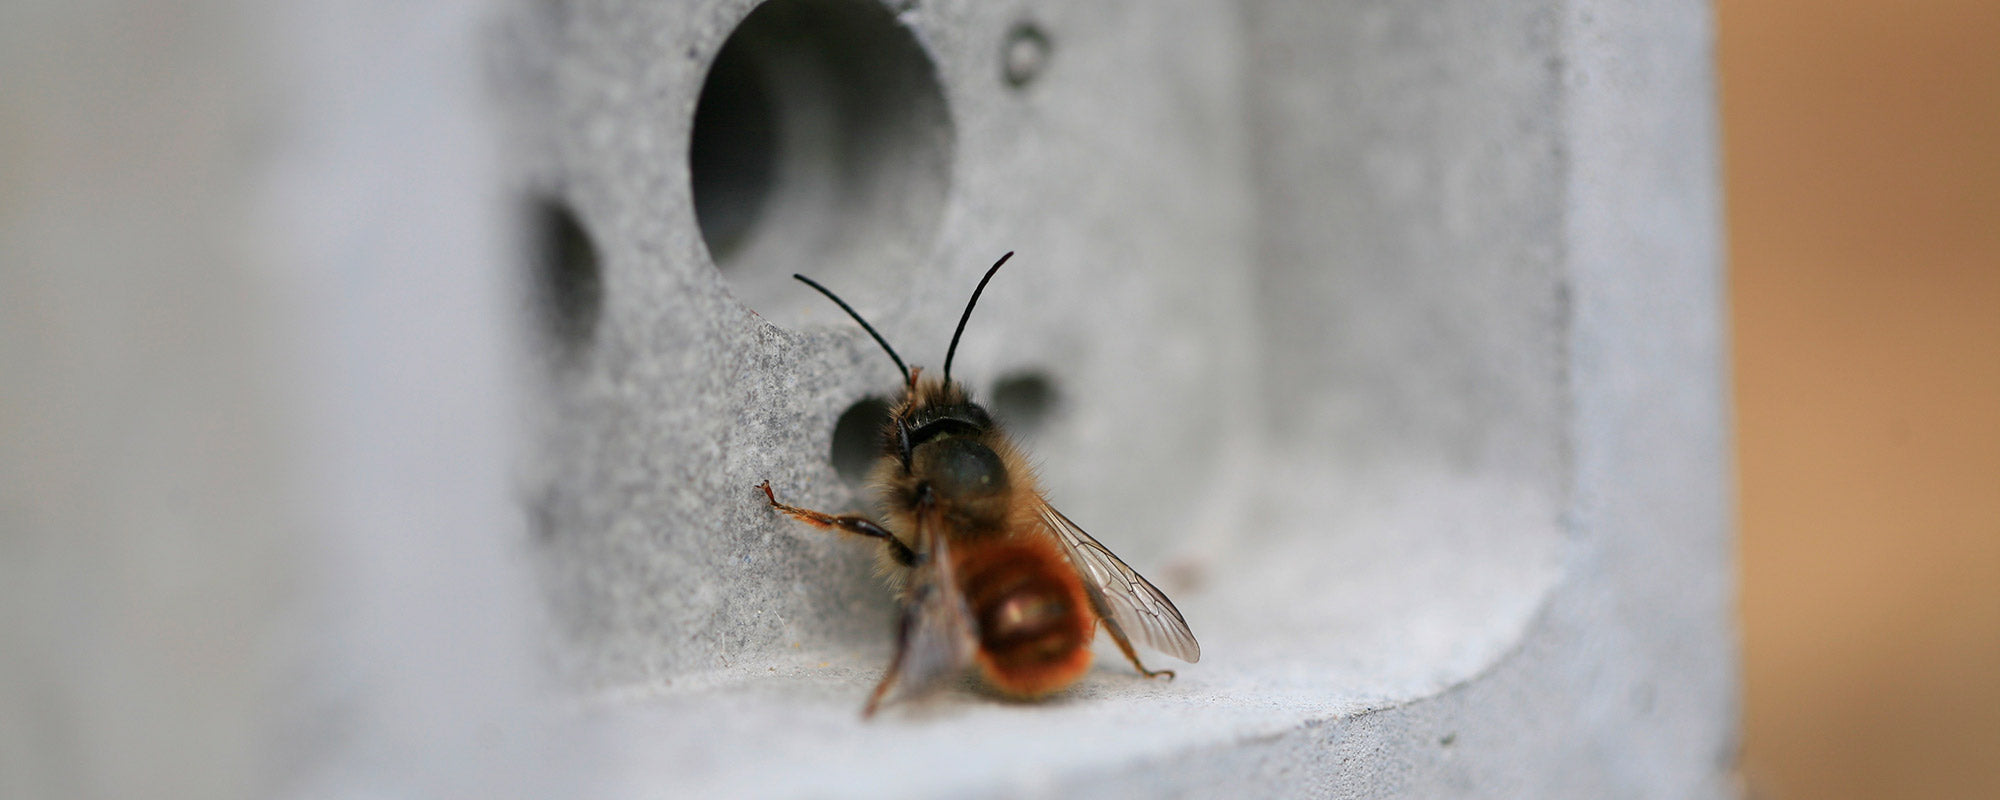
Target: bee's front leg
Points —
{"points": [[851, 523]]}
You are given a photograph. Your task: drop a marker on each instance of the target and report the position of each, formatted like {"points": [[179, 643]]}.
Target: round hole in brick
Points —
{"points": [[857, 439], [1025, 401], [820, 145], [1025, 54], [569, 283]]}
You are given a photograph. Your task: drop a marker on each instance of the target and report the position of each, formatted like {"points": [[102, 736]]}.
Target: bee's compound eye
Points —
{"points": [[962, 467]]}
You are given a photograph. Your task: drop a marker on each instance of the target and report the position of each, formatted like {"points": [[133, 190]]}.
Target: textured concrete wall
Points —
{"points": [[709, 369], [1383, 335]]}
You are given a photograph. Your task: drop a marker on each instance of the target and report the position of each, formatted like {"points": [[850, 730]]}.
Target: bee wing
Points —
{"points": [[938, 636], [1138, 607]]}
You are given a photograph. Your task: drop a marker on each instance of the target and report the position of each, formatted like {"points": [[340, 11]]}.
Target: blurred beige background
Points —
{"points": [[1862, 142]]}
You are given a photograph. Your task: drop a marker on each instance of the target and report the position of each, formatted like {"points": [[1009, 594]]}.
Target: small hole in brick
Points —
{"points": [[857, 439], [1024, 55], [1024, 401], [569, 282]]}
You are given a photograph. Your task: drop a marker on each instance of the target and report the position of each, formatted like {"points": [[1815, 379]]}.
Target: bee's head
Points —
{"points": [[931, 408], [942, 440]]}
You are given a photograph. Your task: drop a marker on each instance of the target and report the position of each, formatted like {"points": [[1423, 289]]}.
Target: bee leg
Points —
{"points": [[1125, 646], [851, 523], [903, 626]]}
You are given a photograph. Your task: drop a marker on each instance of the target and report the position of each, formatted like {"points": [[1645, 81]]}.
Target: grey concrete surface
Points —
{"points": [[1385, 336]]}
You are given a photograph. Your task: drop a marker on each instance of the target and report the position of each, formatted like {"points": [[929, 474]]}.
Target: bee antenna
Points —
{"points": [[864, 324], [953, 350]]}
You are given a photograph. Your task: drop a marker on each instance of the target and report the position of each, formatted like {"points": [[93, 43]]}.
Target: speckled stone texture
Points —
{"points": [[1385, 337]]}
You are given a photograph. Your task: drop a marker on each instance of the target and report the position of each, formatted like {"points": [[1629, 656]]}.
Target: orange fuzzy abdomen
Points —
{"points": [[1035, 623]]}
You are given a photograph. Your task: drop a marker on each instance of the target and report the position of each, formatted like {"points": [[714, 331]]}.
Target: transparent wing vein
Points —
{"points": [[1139, 607]]}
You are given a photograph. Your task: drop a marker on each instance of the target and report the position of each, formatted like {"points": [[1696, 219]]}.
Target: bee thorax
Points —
{"points": [[961, 467]]}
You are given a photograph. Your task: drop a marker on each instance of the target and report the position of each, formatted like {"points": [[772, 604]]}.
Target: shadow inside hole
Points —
{"points": [[857, 439], [1024, 402], [568, 281], [733, 152]]}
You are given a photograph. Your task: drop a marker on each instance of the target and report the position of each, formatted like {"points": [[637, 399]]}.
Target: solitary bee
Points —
{"points": [[991, 574]]}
